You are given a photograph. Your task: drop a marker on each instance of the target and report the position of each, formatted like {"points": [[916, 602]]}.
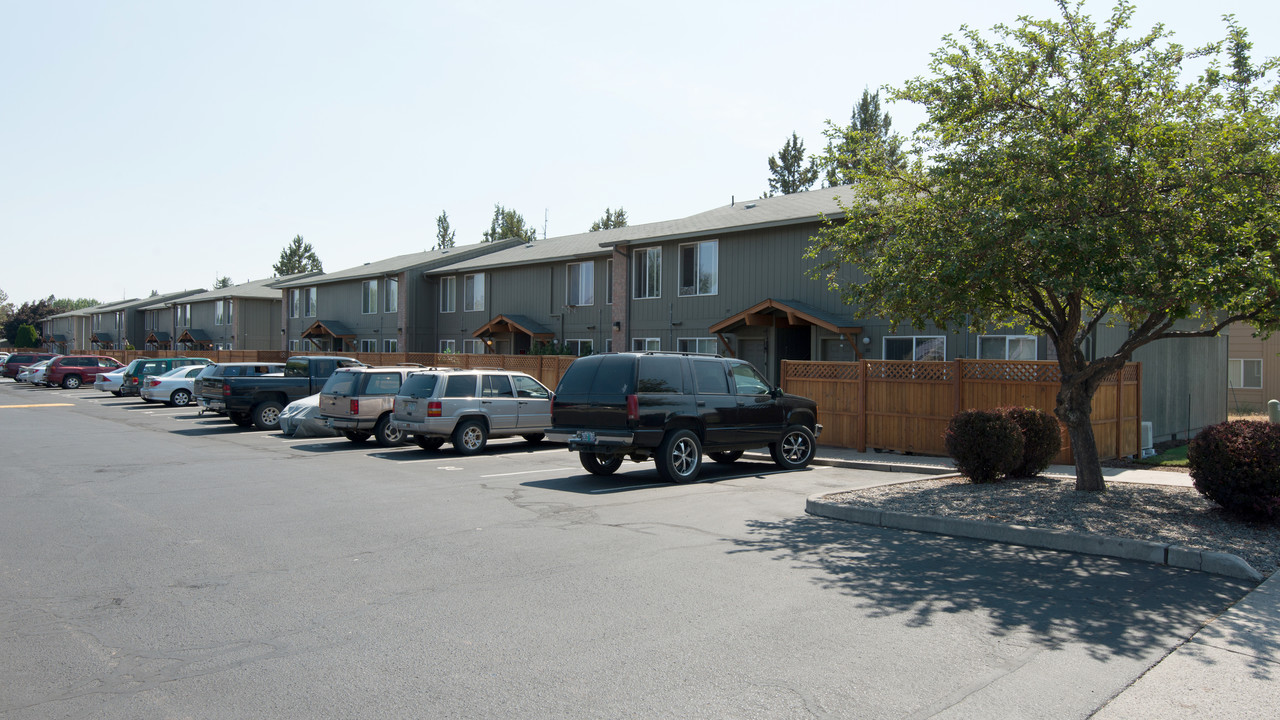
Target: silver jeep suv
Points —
{"points": [[467, 407], [357, 402]]}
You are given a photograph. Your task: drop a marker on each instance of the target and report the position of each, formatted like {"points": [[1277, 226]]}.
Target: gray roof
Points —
{"points": [[747, 215], [93, 309], [401, 263], [152, 303], [265, 289]]}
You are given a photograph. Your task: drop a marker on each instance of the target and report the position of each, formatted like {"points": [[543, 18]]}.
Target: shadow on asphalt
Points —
{"points": [[642, 477], [1115, 608]]}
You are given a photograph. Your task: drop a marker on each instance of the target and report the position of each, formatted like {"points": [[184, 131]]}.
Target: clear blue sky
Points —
{"points": [[160, 145]]}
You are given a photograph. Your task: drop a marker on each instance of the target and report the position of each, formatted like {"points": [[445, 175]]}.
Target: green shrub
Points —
{"points": [[986, 445], [1237, 465], [28, 337], [1041, 439]]}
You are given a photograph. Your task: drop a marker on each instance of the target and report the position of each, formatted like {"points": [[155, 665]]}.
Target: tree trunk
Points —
{"points": [[1075, 409]]}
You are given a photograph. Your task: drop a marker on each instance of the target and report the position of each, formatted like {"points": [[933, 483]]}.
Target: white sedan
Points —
{"points": [[33, 373], [172, 388], [111, 382]]}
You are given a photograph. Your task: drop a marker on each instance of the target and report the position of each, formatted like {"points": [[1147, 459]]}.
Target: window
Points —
{"points": [[1007, 347], [530, 388], [368, 346], [608, 344], [293, 345], [608, 283], [699, 268], [183, 314], [383, 384], [369, 297], [309, 302], [448, 346], [647, 282], [230, 313], [391, 303], [660, 374], [581, 283], [221, 312], [473, 346], [1244, 374], [391, 345], [295, 303], [495, 386], [460, 386], [580, 348], [473, 292], [448, 294], [709, 377], [697, 345], [97, 322], [748, 381], [645, 344], [915, 348]]}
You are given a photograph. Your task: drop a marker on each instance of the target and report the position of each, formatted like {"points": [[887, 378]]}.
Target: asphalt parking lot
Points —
{"points": [[161, 564]]}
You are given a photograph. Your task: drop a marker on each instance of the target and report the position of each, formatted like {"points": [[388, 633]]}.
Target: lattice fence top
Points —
{"points": [[1016, 370], [1028, 371], [909, 370], [822, 370]]}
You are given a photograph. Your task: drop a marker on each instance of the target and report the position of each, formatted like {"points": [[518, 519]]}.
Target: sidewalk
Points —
{"points": [[1229, 669]]}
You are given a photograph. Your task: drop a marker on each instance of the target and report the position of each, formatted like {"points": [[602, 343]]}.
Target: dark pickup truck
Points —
{"points": [[258, 400]]}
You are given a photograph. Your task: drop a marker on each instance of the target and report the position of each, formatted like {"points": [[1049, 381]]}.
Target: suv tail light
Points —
{"points": [[226, 389], [355, 406], [435, 408], [633, 407], [133, 381]]}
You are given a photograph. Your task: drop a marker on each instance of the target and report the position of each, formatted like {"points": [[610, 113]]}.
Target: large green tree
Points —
{"points": [[298, 256], [1069, 176], [611, 219], [508, 224], [445, 235], [222, 282], [29, 313], [788, 172], [867, 144]]}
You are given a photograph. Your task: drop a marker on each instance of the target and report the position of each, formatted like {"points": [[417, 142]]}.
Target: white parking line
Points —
{"points": [[526, 472]]}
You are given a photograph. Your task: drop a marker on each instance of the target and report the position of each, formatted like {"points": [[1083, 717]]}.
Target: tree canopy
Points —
{"points": [[867, 144], [445, 235], [296, 257], [611, 219], [1069, 176], [222, 282], [788, 172], [29, 313], [508, 224]]}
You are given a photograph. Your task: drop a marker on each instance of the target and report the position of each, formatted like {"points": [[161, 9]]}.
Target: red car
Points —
{"points": [[14, 362], [72, 371]]}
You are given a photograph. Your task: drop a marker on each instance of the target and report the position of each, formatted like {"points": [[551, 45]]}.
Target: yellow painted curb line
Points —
{"points": [[36, 406]]}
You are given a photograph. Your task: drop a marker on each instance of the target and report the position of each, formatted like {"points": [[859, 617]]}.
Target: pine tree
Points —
{"points": [[296, 257], [867, 144], [788, 171], [508, 224], [612, 219], [222, 282], [444, 233]]}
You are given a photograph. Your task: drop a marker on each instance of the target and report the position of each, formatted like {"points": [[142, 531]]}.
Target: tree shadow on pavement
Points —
{"points": [[1114, 608]]}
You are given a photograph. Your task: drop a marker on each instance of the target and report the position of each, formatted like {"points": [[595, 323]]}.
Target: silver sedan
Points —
{"points": [[172, 388]]}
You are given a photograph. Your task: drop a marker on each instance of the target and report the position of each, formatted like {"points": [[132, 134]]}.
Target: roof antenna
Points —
{"points": [[731, 203], [546, 212]]}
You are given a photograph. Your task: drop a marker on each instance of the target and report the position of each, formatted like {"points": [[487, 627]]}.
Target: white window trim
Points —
{"points": [[448, 346], [635, 289], [645, 341], [680, 291], [473, 346], [1235, 369], [577, 345], [587, 285], [391, 293], [390, 345], [295, 303], [477, 303], [695, 341], [450, 282], [370, 343], [310, 299], [915, 345], [366, 306], [1007, 340]]}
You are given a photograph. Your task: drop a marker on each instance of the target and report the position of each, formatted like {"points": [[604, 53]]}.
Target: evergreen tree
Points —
{"points": [[27, 337], [297, 257], [444, 233], [508, 224], [612, 219], [789, 174], [867, 145], [222, 282], [28, 314]]}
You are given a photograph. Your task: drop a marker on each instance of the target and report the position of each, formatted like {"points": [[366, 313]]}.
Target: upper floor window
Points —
{"points": [[369, 297], [222, 312], [391, 303], [699, 268], [448, 294], [295, 303], [581, 283], [309, 302], [1007, 347], [646, 281], [1245, 374], [182, 315], [473, 292], [919, 347]]}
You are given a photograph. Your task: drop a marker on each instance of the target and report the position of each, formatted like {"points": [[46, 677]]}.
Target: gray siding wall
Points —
{"points": [[257, 324]]}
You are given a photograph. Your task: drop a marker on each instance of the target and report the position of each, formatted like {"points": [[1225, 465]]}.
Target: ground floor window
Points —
{"points": [[368, 346], [706, 345], [448, 346], [473, 346], [293, 344], [579, 347], [645, 344], [391, 345], [1245, 374], [916, 347], [1007, 347]]}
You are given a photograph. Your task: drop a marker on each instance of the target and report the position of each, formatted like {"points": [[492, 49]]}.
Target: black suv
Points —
{"points": [[673, 407]]}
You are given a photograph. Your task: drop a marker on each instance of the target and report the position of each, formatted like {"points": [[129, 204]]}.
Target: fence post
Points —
{"points": [[957, 367]]}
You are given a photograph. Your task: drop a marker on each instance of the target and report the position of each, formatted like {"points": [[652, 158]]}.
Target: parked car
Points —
{"points": [[33, 373], [15, 361], [673, 407], [301, 418], [110, 381], [467, 407], [357, 402], [139, 370], [72, 371], [259, 400], [217, 371], [171, 388]]}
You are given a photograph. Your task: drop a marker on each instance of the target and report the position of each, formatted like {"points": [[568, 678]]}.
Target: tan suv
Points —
{"points": [[467, 407], [357, 402]]}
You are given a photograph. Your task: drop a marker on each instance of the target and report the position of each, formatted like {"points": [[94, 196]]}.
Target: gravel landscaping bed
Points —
{"points": [[1158, 513]]}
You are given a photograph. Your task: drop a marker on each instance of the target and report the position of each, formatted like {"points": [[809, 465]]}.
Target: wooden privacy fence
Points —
{"points": [[905, 406], [546, 368]]}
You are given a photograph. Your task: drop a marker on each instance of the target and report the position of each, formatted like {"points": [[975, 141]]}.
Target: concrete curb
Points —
{"points": [[922, 469], [1217, 563]]}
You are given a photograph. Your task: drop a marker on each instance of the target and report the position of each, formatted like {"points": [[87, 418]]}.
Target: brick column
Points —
{"points": [[621, 298]]}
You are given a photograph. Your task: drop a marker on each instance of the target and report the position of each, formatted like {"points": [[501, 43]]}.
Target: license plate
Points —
{"points": [[585, 436], [410, 406]]}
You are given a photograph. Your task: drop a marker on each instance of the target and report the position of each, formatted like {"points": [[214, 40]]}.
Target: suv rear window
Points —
{"points": [[342, 383], [420, 386], [599, 375]]}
